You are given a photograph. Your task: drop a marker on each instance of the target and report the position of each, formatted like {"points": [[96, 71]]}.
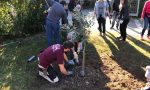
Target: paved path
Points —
{"points": [[134, 26]]}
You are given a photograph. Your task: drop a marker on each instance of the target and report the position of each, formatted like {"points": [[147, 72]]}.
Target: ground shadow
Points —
{"points": [[94, 78], [128, 57], [16, 73]]}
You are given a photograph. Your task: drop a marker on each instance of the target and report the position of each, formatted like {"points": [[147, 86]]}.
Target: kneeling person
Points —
{"points": [[54, 53]]}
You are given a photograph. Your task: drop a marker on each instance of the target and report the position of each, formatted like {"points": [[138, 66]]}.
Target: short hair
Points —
{"points": [[68, 44]]}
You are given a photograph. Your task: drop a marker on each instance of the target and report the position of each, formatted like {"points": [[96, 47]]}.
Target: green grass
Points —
{"points": [[17, 74]]}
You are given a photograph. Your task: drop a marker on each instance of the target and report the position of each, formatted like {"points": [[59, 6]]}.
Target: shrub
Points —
{"points": [[21, 17]]}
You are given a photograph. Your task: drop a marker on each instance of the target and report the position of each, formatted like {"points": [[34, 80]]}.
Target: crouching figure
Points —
{"points": [[54, 54]]}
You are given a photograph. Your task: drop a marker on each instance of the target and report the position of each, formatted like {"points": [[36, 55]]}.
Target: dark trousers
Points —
{"points": [[114, 18], [123, 28], [146, 23], [101, 21]]}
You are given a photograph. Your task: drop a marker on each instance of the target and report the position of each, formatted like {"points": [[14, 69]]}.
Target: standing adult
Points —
{"points": [[124, 19], [63, 2], [71, 7], [115, 13], [146, 16], [55, 13], [101, 9]]}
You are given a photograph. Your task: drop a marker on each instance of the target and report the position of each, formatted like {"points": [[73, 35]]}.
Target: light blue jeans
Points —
{"points": [[52, 31]]}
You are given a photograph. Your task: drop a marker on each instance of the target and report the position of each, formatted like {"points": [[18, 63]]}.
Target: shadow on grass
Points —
{"points": [[128, 57], [93, 60], [16, 73]]}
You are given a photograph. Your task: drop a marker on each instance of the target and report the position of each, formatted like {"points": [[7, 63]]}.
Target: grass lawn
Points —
{"points": [[15, 72], [125, 69]]}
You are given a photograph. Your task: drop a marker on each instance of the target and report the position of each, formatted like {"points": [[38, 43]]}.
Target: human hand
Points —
{"points": [[70, 73]]}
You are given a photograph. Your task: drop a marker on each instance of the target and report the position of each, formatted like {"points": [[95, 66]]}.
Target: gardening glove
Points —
{"points": [[70, 73], [71, 62]]}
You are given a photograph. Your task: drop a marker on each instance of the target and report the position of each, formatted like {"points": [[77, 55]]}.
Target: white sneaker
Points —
{"points": [[47, 78]]}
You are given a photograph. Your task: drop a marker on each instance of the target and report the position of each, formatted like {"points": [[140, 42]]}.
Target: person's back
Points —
{"points": [[56, 12], [52, 54]]}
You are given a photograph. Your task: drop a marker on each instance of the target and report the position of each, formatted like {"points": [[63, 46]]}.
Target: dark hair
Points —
{"points": [[63, 3], [68, 44]]}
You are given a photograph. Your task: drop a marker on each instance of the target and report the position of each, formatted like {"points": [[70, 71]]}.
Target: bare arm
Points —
{"points": [[65, 57], [63, 69]]}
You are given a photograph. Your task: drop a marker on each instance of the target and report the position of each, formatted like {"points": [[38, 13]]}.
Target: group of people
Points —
{"points": [[120, 11], [120, 15], [57, 52], [57, 11], [64, 55]]}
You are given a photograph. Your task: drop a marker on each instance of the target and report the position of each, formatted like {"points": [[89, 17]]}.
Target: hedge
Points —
{"points": [[21, 17]]}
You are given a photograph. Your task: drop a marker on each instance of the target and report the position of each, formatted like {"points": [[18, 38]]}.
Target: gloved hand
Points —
{"points": [[71, 62], [70, 73]]}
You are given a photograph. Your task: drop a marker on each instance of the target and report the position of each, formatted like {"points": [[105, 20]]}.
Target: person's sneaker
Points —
{"points": [[118, 38], [50, 77], [142, 38], [47, 77]]}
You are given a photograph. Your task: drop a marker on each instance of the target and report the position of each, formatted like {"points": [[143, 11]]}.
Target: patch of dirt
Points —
{"points": [[101, 73]]}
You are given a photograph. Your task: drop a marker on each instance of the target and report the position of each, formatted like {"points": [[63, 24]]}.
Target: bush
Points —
{"points": [[21, 17]]}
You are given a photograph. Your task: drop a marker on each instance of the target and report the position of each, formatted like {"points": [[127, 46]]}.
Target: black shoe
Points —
{"points": [[111, 28], [117, 27], [119, 38]]}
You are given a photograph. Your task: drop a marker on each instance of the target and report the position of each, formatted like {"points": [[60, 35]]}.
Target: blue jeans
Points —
{"points": [[146, 23], [52, 31]]}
